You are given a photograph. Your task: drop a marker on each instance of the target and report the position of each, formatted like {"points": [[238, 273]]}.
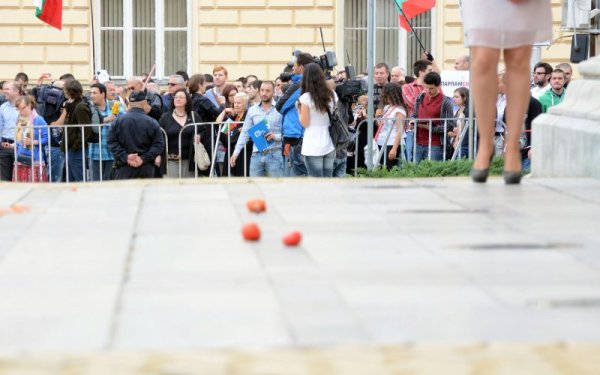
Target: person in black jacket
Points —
{"points": [[182, 136], [534, 109], [201, 104], [136, 141]]}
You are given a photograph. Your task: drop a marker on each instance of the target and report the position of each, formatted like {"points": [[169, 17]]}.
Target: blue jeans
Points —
{"points": [[526, 165], [288, 171], [408, 147], [463, 153], [320, 166], [270, 165], [339, 167], [297, 160], [55, 163], [423, 153], [95, 170], [75, 166]]}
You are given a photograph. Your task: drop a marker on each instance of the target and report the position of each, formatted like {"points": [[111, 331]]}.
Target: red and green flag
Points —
{"points": [[411, 8], [49, 11]]}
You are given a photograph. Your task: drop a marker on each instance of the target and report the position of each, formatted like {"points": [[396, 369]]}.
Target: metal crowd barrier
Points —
{"points": [[46, 160], [217, 128], [40, 134], [410, 125], [214, 141]]}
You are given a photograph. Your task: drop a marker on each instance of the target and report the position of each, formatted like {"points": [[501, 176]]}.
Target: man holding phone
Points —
{"points": [[8, 125]]}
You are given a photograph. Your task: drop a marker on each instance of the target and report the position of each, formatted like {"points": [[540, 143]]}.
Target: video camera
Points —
{"points": [[326, 61], [349, 90]]}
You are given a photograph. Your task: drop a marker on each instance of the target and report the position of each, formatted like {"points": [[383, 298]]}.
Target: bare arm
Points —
{"points": [[304, 115]]}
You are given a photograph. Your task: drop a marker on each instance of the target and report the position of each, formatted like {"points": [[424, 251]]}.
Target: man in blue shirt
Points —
{"points": [[8, 128], [268, 162]]}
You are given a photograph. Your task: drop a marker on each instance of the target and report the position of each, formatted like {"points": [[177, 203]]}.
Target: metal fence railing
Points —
{"points": [[55, 156]]}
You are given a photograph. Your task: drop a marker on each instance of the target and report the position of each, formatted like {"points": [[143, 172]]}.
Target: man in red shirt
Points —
{"points": [[410, 92], [432, 104]]}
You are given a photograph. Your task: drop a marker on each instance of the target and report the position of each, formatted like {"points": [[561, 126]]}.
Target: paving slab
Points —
{"points": [[154, 273]]}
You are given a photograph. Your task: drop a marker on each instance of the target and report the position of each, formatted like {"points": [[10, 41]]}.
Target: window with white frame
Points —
{"points": [[393, 45], [136, 34]]}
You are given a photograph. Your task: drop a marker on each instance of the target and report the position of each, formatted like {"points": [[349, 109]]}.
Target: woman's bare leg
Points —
{"points": [[517, 101], [484, 82]]}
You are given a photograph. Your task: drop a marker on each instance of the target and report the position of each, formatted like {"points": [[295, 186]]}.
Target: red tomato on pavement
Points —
{"points": [[251, 232], [292, 238], [256, 205]]}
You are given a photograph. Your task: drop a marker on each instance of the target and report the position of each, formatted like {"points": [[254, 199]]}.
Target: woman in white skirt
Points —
{"points": [[512, 26]]}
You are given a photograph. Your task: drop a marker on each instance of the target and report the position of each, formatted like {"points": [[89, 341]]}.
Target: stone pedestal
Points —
{"points": [[566, 140]]}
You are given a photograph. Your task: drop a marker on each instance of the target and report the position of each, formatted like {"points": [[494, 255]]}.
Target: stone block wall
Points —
{"points": [[28, 45], [259, 36]]}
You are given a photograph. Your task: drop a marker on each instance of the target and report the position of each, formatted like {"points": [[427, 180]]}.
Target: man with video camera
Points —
{"points": [[291, 128]]}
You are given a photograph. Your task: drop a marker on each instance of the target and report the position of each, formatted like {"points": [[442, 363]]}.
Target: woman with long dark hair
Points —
{"points": [[229, 92], [315, 103], [73, 143], [391, 122], [200, 103]]}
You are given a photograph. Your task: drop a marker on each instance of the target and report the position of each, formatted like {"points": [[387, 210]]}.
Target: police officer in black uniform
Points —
{"points": [[136, 141]]}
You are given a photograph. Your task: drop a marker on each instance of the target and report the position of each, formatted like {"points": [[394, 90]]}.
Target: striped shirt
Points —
{"points": [[410, 93]]}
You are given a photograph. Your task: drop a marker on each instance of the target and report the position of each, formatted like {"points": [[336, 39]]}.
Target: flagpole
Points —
{"points": [[370, 81], [413, 31], [93, 32]]}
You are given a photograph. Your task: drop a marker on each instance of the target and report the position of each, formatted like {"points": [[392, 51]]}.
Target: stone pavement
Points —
{"points": [[423, 276]]}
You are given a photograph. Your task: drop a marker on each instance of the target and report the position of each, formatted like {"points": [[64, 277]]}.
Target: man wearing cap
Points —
{"points": [[136, 141], [155, 109]]}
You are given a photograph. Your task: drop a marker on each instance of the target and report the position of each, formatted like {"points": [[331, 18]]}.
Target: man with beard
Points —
{"points": [[268, 162], [215, 94], [541, 77]]}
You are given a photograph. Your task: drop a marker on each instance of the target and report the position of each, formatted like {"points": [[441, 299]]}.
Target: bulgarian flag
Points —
{"points": [[49, 11], [411, 8]]}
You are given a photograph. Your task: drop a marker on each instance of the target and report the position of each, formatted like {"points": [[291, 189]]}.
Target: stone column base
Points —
{"points": [[566, 140]]}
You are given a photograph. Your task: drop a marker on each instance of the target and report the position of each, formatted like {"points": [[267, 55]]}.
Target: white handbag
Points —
{"points": [[200, 155]]}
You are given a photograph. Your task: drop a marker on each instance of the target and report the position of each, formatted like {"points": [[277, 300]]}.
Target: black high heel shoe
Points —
{"points": [[480, 175], [512, 178]]}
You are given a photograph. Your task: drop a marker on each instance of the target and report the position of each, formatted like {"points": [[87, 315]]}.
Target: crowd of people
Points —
{"points": [[57, 132]]}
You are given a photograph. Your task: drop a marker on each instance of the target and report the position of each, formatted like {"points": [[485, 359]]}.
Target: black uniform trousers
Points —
{"points": [[7, 160], [126, 172]]}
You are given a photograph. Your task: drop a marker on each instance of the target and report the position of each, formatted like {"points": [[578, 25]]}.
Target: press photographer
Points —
{"points": [[291, 128]]}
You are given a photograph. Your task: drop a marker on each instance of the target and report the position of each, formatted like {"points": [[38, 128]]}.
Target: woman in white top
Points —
{"points": [[389, 133], [512, 26], [316, 100]]}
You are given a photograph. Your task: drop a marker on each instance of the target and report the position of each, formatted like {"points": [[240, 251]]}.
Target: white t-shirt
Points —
{"points": [[388, 120], [538, 91], [317, 141]]}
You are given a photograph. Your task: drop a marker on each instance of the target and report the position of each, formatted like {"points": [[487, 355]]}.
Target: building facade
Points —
{"points": [[126, 37]]}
